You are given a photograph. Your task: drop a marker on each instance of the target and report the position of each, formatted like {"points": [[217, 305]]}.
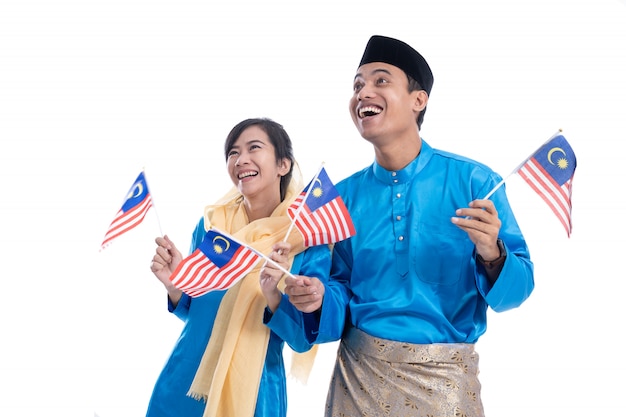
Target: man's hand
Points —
{"points": [[305, 293], [480, 221]]}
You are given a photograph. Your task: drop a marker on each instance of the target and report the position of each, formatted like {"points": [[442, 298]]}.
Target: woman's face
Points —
{"points": [[252, 165]]}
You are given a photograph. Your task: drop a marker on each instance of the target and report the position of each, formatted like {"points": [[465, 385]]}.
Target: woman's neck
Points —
{"points": [[260, 208]]}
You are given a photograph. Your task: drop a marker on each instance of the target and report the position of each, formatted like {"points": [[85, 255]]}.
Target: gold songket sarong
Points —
{"points": [[379, 377]]}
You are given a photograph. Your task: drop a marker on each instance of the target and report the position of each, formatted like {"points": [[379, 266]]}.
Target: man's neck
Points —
{"points": [[398, 154]]}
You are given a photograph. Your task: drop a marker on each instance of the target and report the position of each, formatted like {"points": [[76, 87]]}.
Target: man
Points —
{"points": [[409, 293]]}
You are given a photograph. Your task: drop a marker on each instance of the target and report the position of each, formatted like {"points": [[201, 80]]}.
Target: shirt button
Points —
{"points": [[401, 238], [393, 174], [398, 195], [398, 217]]}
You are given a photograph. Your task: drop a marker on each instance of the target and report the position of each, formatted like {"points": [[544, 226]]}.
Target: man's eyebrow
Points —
{"points": [[359, 74]]}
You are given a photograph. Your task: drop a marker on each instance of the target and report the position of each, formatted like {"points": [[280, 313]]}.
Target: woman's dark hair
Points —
{"points": [[279, 138], [415, 86]]}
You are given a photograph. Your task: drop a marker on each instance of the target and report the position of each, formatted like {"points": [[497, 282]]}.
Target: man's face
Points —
{"points": [[381, 106]]}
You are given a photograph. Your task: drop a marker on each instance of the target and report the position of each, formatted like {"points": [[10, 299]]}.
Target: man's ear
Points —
{"points": [[420, 100]]}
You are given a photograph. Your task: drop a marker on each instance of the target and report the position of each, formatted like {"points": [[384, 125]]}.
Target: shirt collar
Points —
{"points": [[408, 172]]}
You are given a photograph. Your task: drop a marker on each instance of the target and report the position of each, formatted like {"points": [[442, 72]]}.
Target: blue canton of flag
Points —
{"points": [[323, 191], [557, 159]]}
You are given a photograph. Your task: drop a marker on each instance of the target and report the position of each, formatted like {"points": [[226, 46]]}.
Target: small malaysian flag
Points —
{"points": [[320, 214], [137, 203], [217, 264], [550, 171]]}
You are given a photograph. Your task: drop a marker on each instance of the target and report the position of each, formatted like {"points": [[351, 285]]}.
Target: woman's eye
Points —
{"points": [[232, 153]]}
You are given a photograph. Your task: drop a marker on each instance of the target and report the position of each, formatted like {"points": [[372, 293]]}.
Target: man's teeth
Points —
{"points": [[369, 111]]}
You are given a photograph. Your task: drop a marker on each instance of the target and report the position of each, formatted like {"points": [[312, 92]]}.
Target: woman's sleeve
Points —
{"points": [[287, 322]]}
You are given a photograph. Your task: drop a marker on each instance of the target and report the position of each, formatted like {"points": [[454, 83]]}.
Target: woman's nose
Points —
{"points": [[241, 159]]}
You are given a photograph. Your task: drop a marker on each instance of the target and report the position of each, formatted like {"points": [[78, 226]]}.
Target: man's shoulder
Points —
{"points": [[454, 158], [463, 167]]}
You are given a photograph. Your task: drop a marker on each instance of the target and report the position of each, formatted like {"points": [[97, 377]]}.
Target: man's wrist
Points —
{"points": [[495, 262]]}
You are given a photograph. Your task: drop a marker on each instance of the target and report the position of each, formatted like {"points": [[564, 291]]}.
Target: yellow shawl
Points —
{"points": [[230, 371]]}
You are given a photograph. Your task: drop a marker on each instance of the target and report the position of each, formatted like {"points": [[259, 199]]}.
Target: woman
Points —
{"points": [[225, 354]]}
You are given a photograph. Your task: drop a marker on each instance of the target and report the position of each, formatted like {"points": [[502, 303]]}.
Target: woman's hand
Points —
{"points": [[164, 263], [270, 274]]}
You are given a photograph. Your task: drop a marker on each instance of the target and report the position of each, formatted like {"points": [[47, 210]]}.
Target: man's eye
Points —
{"points": [[381, 81], [357, 87]]}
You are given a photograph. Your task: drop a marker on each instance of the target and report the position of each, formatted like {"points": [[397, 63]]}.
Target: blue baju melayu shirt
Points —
{"points": [[409, 274], [169, 397]]}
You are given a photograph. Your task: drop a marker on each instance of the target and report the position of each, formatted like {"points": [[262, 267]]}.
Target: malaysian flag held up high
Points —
{"points": [[320, 214], [218, 263], [550, 171], [137, 203]]}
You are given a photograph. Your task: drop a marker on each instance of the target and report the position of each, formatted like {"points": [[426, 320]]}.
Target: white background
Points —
{"points": [[93, 91]]}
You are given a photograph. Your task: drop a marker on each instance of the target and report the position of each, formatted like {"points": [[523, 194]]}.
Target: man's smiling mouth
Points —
{"points": [[369, 111]]}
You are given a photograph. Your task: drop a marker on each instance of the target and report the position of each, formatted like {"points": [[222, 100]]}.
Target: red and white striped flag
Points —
{"points": [[550, 171], [320, 214], [218, 263], [138, 202]]}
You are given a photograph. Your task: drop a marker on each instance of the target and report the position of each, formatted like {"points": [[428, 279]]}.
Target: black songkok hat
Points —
{"points": [[401, 55]]}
